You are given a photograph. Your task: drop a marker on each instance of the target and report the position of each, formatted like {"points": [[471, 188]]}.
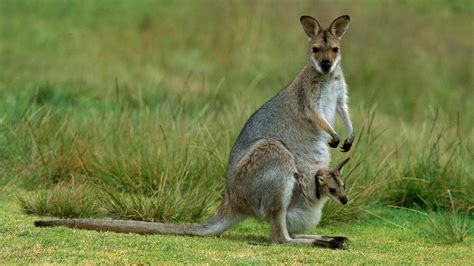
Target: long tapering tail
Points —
{"points": [[220, 222]]}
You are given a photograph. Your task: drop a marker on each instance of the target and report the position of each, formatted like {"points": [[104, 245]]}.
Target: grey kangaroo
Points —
{"points": [[278, 167]]}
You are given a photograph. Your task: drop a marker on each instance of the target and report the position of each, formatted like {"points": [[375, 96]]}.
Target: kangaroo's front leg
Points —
{"points": [[344, 113], [318, 120]]}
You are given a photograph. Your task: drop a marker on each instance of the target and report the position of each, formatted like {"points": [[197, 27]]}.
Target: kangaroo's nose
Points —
{"points": [[326, 65]]}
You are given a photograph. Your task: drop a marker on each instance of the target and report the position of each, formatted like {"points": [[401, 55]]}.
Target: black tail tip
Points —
{"points": [[43, 223]]}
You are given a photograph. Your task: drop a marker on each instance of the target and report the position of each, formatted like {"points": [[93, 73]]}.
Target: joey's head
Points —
{"points": [[329, 183], [324, 44]]}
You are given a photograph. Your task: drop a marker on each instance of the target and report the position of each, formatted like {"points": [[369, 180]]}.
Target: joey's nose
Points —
{"points": [[343, 200], [326, 65]]}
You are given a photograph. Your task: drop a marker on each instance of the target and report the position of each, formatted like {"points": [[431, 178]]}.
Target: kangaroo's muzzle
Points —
{"points": [[325, 65], [343, 200]]}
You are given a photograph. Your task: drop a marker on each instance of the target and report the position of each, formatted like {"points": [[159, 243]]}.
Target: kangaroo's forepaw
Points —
{"points": [[334, 142], [334, 242], [346, 146]]}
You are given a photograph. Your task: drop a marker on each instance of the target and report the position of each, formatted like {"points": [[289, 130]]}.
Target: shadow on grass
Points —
{"points": [[254, 240]]}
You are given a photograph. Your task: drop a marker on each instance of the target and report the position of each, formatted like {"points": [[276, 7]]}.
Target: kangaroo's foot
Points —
{"points": [[329, 243], [333, 242], [336, 242]]}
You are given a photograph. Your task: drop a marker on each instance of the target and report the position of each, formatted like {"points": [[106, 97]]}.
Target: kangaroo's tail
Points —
{"points": [[220, 222]]}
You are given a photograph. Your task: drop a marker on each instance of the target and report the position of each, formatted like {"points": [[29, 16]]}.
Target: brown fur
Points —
{"points": [[325, 41]]}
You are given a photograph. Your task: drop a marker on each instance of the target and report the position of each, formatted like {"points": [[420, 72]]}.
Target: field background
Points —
{"points": [[128, 109]]}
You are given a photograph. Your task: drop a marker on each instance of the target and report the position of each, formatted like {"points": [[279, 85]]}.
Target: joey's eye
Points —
{"points": [[344, 186], [315, 49], [332, 190], [335, 49]]}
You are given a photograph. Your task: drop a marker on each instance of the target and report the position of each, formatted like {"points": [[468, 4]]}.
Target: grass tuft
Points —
{"points": [[452, 226], [63, 200], [448, 226]]}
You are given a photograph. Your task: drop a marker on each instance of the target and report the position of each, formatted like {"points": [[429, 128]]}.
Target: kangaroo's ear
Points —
{"points": [[310, 26], [339, 166], [339, 26]]}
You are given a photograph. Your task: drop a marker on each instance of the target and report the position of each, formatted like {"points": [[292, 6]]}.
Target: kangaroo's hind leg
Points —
{"points": [[263, 184]]}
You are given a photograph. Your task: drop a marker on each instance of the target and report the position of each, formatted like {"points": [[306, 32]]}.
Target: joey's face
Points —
{"points": [[324, 44], [329, 182], [324, 52], [335, 188]]}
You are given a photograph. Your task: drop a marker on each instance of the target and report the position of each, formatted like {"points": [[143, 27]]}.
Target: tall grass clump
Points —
{"points": [[438, 163], [452, 227], [63, 200], [448, 226], [148, 163]]}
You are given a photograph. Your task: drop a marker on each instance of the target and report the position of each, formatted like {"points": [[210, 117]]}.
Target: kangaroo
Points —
{"points": [[328, 184], [277, 168]]}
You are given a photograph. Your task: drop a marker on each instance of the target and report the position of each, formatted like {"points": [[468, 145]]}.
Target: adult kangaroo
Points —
{"points": [[278, 167]]}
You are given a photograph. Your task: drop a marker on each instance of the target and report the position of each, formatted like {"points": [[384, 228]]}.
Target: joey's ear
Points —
{"points": [[318, 181], [339, 166], [318, 188], [310, 26], [320, 176], [339, 26]]}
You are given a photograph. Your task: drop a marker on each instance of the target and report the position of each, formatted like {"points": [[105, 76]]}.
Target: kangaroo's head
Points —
{"points": [[324, 44], [329, 182]]}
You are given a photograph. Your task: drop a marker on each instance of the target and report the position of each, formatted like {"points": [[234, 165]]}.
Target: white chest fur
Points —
{"points": [[326, 99], [327, 95]]}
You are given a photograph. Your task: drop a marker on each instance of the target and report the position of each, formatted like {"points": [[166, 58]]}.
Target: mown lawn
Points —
{"points": [[373, 241]]}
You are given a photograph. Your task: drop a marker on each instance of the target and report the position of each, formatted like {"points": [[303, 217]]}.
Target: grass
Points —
{"points": [[373, 241], [449, 226], [130, 108]]}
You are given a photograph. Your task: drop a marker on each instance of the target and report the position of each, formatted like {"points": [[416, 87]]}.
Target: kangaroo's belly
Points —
{"points": [[302, 218]]}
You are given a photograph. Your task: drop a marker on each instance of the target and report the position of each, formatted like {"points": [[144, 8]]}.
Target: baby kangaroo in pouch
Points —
{"points": [[278, 167]]}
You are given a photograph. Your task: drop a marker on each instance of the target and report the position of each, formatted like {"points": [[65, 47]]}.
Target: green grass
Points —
{"points": [[128, 109], [373, 241]]}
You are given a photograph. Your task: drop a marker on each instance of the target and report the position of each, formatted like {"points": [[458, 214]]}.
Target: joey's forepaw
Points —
{"points": [[346, 146], [334, 142]]}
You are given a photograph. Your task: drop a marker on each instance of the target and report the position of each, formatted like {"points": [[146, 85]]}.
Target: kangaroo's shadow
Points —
{"points": [[255, 240]]}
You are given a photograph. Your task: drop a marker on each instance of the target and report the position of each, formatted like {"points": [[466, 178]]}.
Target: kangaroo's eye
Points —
{"points": [[332, 190], [315, 49], [344, 186], [335, 49]]}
